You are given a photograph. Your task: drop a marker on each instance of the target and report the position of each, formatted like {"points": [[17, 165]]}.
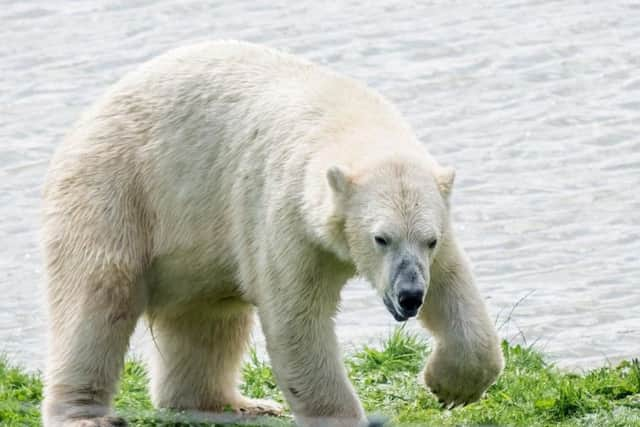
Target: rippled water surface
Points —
{"points": [[536, 104]]}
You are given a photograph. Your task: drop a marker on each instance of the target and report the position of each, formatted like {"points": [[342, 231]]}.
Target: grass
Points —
{"points": [[531, 392]]}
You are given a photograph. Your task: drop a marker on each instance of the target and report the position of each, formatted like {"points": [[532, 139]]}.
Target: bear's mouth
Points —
{"points": [[397, 314]]}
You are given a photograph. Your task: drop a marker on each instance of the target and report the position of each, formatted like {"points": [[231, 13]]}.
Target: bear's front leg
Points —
{"points": [[297, 320], [467, 357]]}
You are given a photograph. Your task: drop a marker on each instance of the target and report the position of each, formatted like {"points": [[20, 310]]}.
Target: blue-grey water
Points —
{"points": [[536, 104]]}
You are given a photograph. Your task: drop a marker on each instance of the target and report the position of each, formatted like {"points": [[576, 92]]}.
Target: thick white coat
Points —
{"points": [[222, 177]]}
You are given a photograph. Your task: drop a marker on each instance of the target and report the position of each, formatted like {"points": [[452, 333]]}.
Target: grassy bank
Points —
{"points": [[530, 393]]}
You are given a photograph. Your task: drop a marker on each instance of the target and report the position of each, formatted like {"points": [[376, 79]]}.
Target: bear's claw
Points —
{"points": [[255, 407], [108, 421]]}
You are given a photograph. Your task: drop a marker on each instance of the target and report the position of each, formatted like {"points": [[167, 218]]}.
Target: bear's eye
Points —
{"points": [[432, 243], [381, 241]]}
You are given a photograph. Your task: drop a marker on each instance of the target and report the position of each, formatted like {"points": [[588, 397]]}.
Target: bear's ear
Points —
{"points": [[445, 177], [338, 179]]}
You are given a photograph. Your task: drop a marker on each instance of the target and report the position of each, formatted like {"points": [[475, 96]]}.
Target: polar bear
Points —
{"points": [[224, 179]]}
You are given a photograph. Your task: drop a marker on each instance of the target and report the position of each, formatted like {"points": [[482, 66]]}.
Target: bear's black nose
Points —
{"points": [[410, 299]]}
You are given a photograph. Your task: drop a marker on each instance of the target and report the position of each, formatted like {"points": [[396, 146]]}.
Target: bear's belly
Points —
{"points": [[185, 278]]}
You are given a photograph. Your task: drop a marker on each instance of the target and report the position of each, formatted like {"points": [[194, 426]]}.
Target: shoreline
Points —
{"points": [[531, 391]]}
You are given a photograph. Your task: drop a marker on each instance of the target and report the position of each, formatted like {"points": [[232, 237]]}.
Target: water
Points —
{"points": [[536, 103]]}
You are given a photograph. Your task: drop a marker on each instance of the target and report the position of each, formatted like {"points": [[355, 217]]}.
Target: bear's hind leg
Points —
{"points": [[197, 361], [90, 333]]}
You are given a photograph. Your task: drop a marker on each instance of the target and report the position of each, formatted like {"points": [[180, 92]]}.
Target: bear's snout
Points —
{"points": [[408, 288], [410, 299]]}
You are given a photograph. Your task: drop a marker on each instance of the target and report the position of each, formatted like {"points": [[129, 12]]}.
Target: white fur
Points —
{"points": [[226, 176]]}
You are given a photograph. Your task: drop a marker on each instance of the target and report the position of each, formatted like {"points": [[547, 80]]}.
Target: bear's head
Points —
{"points": [[394, 216]]}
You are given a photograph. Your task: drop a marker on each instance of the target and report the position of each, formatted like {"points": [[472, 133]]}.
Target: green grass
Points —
{"points": [[531, 392]]}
